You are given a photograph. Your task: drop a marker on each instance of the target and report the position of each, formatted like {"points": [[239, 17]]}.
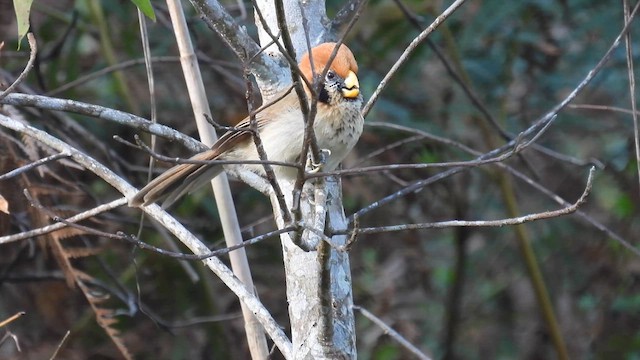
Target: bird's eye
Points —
{"points": [[331, 75]]}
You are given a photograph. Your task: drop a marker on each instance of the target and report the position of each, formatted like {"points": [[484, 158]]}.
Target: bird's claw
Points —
{"points": [[316, 167]]}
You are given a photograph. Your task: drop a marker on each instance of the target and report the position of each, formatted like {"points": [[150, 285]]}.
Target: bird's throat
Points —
{"points": [[324, 96]]}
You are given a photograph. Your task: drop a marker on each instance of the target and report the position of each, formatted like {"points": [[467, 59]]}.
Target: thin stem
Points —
{"points": [[23, 75], [408, 51]]}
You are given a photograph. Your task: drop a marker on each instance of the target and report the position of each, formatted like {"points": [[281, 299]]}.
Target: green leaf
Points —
{"points": [[22, 8], [146, 8]]}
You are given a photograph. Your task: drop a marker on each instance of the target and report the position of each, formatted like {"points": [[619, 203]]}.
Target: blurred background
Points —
{"points": [[456, 293]]}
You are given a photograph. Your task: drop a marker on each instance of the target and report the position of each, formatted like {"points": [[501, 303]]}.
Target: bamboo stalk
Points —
{"points": [[224, 201]]}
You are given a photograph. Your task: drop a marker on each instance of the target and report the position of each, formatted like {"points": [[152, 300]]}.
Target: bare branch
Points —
{"points": [[11, 318], [121, 117], [602, 108], [416, 21], [490, 223], [224, 201], [64, 339], [408, 51], [632, 86], [217, 19], [394, 334], [32, 165], [535, 127], [73, 219], [587, 218], [174, 226], [518, 147], [132, 239], [27, 68], [262, 154], [176, 160]]}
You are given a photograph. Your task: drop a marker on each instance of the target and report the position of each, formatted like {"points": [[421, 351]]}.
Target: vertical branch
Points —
{"points": [[257, 141], [319, 288], [224, 201], [315, 26], [269, 74], [341, 290], [632, 85]]}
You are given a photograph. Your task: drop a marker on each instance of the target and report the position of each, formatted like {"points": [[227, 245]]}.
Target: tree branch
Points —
{"points": [[162, 217]]}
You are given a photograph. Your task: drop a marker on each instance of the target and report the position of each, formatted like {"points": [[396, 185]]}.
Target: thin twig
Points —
{"points": [[154, 211], [416, 21], [64, 339], [132, 239], [602, 108], [539, 187], [109, 69], [33, 165], [27, 68], [53, 227], [14, 337], [104, 113], [490, 223], [11, 318], [176, 160], [262, 154], [391, 332], [540, 123], [632, 87], [408, 51], [517, 147]]}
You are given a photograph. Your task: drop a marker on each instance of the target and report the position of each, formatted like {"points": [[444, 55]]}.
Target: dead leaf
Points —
{"points": [[4, 205]]}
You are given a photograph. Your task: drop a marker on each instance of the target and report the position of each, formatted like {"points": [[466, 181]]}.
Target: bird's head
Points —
{"points": [[341, 82]]}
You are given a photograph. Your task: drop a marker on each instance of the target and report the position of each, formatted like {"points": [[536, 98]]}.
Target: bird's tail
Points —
{"points": [[176, 182]]}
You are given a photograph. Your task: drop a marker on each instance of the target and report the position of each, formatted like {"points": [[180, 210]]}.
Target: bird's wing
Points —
{"points": [[240, 133], [184, 178], [243, 129]]}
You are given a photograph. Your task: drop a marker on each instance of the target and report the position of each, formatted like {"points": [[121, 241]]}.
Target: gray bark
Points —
{"points": [[319, 289]]}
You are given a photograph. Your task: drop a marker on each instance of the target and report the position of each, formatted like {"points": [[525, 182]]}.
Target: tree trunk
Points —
{"points": [[319, 288]]}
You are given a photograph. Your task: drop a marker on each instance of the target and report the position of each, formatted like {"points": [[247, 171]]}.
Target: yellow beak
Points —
{"points": [[351, 87]]}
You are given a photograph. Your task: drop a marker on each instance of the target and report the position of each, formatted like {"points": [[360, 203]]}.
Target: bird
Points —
{"points": [[338, 125]]}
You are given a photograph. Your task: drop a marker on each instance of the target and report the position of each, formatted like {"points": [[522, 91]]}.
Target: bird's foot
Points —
{"points": [[316, 167]]}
